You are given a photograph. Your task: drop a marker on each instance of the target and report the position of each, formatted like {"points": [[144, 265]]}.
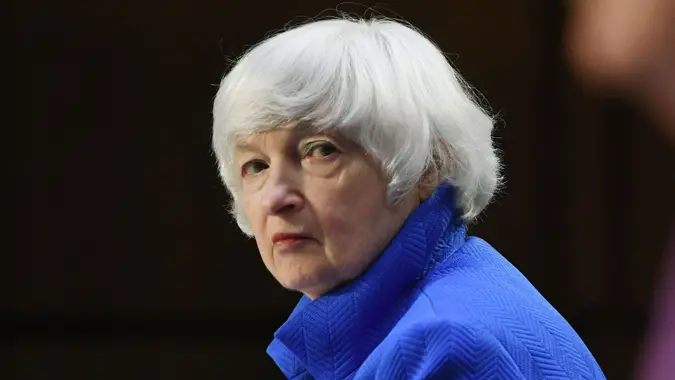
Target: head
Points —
{"points": [[330, 134], [626, 48]]}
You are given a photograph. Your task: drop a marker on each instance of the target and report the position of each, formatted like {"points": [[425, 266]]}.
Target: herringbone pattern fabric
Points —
{"points": [[435, 305]]}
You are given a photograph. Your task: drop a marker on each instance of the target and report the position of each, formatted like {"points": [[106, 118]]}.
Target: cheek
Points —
{"points": [[352, 214], [251, 210], [253, 213]]}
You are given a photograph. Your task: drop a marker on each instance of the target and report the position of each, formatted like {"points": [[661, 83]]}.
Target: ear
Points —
{"points": [[428, 183]]}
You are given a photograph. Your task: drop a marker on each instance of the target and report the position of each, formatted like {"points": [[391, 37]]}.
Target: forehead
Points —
{"points": [[281, 133]]}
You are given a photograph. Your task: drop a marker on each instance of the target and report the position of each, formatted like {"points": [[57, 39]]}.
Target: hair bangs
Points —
{"points": [[379, 83]]}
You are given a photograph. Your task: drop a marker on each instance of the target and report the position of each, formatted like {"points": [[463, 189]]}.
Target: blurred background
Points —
{"points": [[127, 265]]}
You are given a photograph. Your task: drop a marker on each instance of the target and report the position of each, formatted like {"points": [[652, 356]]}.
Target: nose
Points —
{"points": [[282, 195]]}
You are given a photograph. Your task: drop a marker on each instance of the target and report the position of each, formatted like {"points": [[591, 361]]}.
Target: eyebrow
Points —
{"points": [[301, 131], [243, 144]]}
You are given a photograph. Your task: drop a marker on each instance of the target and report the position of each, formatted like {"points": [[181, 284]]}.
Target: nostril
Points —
{"points": [[286, 208], [282, 201]]}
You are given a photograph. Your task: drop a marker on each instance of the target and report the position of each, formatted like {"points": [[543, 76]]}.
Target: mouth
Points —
{"points": [[289, 240]]}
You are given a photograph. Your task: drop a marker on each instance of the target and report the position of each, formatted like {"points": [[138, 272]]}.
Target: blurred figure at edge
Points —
{"points": [[627, 48]]}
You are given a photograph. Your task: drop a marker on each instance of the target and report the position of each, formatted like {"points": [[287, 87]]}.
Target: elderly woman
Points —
{"points": [[355, 156]]}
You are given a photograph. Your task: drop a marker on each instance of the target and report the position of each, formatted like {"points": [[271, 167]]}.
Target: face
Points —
{"points": [[317, 206]]}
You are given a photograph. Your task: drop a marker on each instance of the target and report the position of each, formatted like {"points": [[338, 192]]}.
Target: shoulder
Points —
{"points": [[476, 304], [478, 275], [445, 348]]}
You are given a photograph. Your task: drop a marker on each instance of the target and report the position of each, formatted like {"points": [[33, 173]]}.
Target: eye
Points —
{"points": [[319, 149], [253, 167]]}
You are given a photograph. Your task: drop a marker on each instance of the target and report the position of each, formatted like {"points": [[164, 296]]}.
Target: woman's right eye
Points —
{"points": [[252, 168]]}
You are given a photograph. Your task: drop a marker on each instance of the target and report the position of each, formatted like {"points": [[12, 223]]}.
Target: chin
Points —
{"points": [[311, 284]]}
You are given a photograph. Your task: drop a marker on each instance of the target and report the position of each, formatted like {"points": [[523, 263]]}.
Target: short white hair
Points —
{"points": [[380, 83]]}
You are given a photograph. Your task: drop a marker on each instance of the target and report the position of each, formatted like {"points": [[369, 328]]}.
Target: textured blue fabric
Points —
{"points": [[436, 304]]}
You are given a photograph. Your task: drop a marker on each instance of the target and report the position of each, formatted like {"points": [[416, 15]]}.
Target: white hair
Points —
{"points": [[377, 82]]}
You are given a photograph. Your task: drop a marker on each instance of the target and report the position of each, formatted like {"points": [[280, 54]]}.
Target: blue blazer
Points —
{"points": [[436, 304]]}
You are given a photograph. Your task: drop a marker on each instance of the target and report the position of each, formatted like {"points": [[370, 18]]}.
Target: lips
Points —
{"points": [[289, 240]]}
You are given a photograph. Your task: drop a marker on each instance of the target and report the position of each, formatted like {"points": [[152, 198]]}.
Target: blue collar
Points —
{"points": [[332, 335]]}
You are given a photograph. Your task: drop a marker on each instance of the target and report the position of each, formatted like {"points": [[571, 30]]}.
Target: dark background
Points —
{"points": [[128, 266]]}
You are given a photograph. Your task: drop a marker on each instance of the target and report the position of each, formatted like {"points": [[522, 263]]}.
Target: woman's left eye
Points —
{"points": [[320, 149]]}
